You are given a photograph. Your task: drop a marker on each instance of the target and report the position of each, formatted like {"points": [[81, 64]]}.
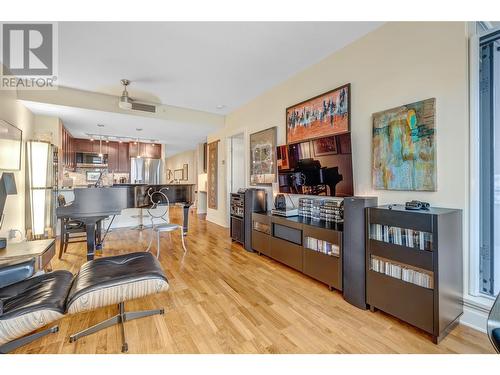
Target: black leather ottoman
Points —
{"points": [[32, 303], [114, 280], [27, 304]]}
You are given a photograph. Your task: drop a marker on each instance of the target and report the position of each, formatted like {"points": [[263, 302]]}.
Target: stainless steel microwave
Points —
{"points": [[91, 160]]}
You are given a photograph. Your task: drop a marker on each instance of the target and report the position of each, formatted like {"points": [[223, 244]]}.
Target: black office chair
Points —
{"points": [[493, 325], [70, 227]]}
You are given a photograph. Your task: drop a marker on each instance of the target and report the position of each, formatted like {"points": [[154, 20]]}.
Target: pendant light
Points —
{"points": [[100, 141]]}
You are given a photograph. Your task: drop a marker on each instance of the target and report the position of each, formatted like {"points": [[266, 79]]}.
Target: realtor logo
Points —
{"points": [[28, 55]]}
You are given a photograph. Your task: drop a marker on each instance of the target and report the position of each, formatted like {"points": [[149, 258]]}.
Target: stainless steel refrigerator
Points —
{"points": [[145, 171]]}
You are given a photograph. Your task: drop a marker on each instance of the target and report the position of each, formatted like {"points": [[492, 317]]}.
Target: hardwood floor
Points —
{"points": [[223, 299]]}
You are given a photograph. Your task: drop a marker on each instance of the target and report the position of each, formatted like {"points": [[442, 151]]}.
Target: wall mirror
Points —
{"points": [[10, 146]]}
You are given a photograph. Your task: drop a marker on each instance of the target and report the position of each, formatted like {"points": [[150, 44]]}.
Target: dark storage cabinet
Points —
{"points": [[414, 266], [311, 247]]}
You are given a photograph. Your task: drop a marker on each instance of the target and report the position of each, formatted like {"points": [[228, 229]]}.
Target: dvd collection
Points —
{"points": [[401, 236], [322, 209], [324, 247], [402, 272]]}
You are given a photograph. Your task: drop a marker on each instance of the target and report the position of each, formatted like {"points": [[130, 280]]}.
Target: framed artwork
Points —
{"points": [[325, 146], [322, 116], [10, 147], [212, 174], [404, 147], [263, 157]]}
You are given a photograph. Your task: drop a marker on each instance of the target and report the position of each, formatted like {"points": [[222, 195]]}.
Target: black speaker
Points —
{"points": [[354, 249]]}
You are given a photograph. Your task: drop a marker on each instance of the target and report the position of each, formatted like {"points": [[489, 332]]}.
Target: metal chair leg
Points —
{"points": [[158, 245], [14, 344], [95, 328], [120, 318], [182, 239]]}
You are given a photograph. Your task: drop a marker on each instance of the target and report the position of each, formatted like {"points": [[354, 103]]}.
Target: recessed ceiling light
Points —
{"points": [[220, 106]]}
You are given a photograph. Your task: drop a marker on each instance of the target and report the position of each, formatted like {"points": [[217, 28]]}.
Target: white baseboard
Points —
{"points": [[475, 315]]}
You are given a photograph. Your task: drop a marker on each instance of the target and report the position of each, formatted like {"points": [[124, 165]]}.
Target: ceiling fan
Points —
{"points": [[126, 102]]}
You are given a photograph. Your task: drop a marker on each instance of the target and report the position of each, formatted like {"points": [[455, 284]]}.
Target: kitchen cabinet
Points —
{"points": [[123, 158], [145, 150], [133, 149], [153, 150], [83, 145], [112, 151], [96, 148]]}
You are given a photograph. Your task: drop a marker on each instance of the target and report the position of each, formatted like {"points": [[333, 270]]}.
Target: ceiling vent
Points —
{"points": [[126, 102]]}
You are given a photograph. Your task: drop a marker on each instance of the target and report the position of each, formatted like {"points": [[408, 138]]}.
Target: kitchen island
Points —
{"points": [[124, 202]]}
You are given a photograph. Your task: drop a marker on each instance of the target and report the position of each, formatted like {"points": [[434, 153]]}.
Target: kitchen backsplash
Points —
{"points": [[79, 177]]}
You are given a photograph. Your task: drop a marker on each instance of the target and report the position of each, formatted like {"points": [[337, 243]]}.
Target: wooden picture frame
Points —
{"points": [[263, 157], [324, 115], [325, 146], [213, 174]]}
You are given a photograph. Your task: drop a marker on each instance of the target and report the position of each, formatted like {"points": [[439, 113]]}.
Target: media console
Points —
{"points": [[311, 247]]}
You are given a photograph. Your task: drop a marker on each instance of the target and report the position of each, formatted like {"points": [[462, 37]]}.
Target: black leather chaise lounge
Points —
{"points": [[29, 303], [493, 325]]}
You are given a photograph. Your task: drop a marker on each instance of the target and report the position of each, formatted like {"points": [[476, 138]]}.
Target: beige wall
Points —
{"points": [[15, 113], [48, 128], [396, 64], [178, 160]]}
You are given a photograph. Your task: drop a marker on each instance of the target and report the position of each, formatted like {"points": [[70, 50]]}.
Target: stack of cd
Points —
{"points": [[332, 210], [306, 207]]}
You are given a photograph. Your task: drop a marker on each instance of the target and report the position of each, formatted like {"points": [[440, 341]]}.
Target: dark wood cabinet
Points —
{"points": [[98, 146], [145, 150], [313, 248], [112, 151], [153, 150], [83, 145], [133, 149], [118, 152], [123, 158], [414, 266]]}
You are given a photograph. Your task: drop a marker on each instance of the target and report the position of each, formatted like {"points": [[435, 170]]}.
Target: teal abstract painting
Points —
{"points": [[404, 147]]}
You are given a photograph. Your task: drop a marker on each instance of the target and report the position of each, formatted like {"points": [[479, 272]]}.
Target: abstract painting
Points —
{"points": [[212, 174], [404, 147], [324, 115], [263, 157]]}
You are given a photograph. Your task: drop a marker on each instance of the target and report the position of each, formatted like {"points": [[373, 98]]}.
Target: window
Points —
{"points": [[489, 163]]}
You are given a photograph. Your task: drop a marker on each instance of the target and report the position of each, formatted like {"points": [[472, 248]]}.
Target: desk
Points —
{"points": [[42, 250]]}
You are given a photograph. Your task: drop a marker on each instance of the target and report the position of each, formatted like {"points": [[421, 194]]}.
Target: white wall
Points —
{"points": [[15, 113], [401, 62]]}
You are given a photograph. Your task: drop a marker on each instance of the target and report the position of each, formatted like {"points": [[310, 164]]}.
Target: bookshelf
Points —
{"points": [[414, 266]]}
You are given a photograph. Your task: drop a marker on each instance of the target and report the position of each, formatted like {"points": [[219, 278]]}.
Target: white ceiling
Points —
{"points": [[79, 121], [196, 65]]}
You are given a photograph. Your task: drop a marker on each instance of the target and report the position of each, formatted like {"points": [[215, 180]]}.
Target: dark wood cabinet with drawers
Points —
{"points": [[311, 247]]}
